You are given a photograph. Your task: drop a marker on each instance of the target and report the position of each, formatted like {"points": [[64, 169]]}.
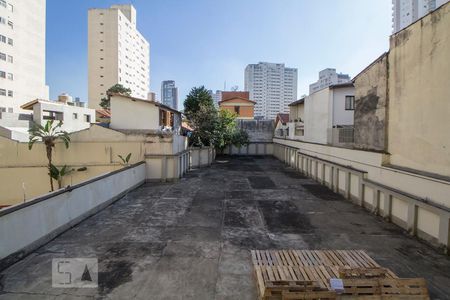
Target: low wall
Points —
{"points": [[27, 226], [253, 148], [201, 157], [361, 178], [167, 167]]}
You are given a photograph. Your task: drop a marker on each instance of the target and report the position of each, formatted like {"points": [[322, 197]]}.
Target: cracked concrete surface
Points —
{"points": [[191, 239]]}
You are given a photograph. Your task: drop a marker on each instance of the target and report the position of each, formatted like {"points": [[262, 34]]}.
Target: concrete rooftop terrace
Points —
{"points": [[191, 239]]}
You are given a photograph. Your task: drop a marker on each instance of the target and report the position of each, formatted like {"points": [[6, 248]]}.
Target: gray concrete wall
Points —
{"points": [[370, 106], [258, 130], [29, 225]]}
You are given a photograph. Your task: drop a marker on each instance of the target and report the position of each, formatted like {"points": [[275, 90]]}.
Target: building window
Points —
{"points": [[2, 56], [10, 93], [10, 41], [87, 118], [2, 92], [2, 20], [75, 116], [10, 7], [11, 24], [349, 102], [10, 109], [3, 3], [10, 76], [237, 109], [2, 38], [2, 74], [10, 59]]}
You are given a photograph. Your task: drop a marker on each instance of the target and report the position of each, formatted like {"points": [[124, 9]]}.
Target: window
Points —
{"points": [[10, 93], [2, 92], [10, 7], [10, 41], [11, 24], [2, 74], [3, 3], [237, 109], [2, 38], [10, 76], [75, 116], [349, 102], [2, 56], [2, 109], [10, 109], [87, 118], [2, 20], [10, 59]]}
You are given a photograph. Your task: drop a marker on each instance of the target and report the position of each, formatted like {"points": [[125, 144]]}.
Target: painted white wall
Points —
{"points": [[129, 114], [317, 116], [340, 115], [71, 122], [53, 214]]}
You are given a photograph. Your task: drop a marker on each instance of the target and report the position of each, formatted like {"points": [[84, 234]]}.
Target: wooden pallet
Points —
{"points": [[306, 274]]}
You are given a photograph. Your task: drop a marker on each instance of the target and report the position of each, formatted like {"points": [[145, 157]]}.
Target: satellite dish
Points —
{"points": [[234, 88]]}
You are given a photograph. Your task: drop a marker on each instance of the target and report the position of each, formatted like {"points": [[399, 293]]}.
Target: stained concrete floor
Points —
{"points": [[191, 239]]}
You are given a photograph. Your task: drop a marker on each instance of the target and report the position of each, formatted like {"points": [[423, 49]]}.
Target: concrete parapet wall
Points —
{"points": [[416, 203], [258, 130], [29, 225], [253, 148], [201, 157]]}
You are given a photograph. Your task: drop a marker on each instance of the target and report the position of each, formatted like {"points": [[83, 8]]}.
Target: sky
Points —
{"points": [[210, 42]]}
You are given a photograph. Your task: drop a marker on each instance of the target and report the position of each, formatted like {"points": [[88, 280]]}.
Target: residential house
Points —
{"points": [[238, 103], [281, 125], [296, 119], [328, 115], [129, 113], [73, 114]]}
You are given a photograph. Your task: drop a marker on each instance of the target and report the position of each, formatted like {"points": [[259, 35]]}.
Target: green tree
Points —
{"points": [[197, 97], [115, 89], [227, 132], [48, 134], [58, 174], [204, 125]]}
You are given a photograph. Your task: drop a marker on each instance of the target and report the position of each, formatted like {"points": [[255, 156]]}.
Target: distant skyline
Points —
{"points": [[207, 42]]}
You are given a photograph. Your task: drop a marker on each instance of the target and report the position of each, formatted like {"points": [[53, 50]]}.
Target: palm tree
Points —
{"points": [[49, 134]]}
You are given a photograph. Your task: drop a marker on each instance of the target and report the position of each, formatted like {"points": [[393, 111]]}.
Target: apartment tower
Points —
{"points": [[328, 77], [22, 53], [406, 12], [117, 53], [272, 86], [169, 94]]}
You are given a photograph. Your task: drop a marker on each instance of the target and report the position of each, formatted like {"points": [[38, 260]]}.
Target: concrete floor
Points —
{"points": [[191, 239]]}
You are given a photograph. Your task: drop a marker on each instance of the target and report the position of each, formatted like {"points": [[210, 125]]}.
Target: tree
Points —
{"points": [[204, 125], [58, 174], [227, 132], [115, 89], [49, 134], [198, 97]]}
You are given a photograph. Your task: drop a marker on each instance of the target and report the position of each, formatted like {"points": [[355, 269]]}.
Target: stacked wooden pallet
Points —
{"points": [[306, 274]]}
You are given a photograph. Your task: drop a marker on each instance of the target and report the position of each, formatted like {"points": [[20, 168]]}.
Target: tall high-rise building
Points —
{"points": [[328, 77], [22, 53], [405, 12], [216, 96], [272, 86], [169, 94], [117, 53]]}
